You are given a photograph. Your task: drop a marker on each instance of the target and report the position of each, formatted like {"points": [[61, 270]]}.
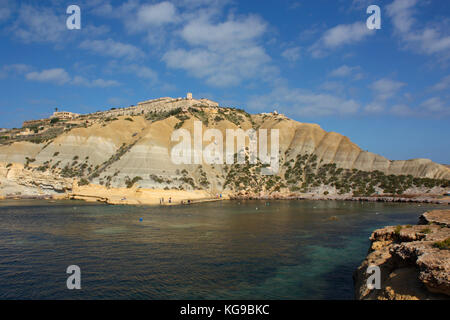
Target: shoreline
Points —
{"points": [[419, 199], [103, 200], [153, 196]]}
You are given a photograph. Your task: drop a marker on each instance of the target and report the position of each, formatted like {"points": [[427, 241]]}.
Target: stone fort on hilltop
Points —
{"points": [[154, 105], [162, 104]]}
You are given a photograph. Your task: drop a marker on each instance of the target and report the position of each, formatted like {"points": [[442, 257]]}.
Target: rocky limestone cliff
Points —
{"points": [[16, 180], [414, 261], [124, 146]]}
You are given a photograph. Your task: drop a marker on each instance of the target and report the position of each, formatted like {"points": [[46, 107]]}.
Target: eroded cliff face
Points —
{"points": [[114, 151], [16, 180], [414, 261]]}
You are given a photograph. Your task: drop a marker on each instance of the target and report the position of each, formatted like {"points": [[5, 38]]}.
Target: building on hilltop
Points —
{"points": [[64, 115], [165, 104]]}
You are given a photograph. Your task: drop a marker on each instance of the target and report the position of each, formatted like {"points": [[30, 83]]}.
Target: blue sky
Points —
{"points": [[388, 90]]}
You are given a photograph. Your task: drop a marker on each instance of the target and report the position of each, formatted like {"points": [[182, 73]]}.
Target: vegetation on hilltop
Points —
{"points": [[40, 131], [161, 115]]}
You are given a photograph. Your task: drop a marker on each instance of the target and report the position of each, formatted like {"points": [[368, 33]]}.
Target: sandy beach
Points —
{"points": [[139, 196]]}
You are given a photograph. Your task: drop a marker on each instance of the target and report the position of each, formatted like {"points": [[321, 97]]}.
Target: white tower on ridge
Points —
{"points": [[189, 96]]}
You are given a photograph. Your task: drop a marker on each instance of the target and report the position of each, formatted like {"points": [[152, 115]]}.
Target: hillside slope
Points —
{"points": [[133, 150]]}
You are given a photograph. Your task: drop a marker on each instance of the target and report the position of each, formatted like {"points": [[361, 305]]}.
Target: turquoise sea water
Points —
{"points": [[216, 250]]}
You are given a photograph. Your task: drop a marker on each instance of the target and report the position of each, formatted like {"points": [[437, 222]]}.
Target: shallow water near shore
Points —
{"points": [[217, 250]]}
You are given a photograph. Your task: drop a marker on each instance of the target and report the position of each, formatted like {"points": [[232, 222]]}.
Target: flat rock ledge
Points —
{"points": [[414, 261]]}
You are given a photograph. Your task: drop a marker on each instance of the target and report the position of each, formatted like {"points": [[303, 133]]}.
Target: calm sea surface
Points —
{"points": [[216, 250]]}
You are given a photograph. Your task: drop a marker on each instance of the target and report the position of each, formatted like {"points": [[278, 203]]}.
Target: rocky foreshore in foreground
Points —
{"points": [[414, 261]]}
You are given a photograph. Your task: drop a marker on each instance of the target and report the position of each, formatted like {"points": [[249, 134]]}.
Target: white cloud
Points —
{"points": [[345, 34], [18, 68], [39, 24], [232, 32], [383, 90], [145, 72], [113, 48], [13, 70], [374, 108], [432, 107], [137, 70], [343, 71], [435, 105], [4, 14], [156, 14], [291, 54], [338, 36], [402, 110], [57, 75], [401, 13], [431, 41], [105, 9], [443, 84], [361, 4], [195, 4], [427, 40], [151, 19], [223, 54], [100, 83], [5, 10], [193, 36], [386, 88], [218, 68], [92, 31], [60, 76], [47, 24], [303, 103]]}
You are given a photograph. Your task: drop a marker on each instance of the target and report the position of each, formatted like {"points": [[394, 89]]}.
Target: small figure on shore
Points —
{"points": [[170, 199]]}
